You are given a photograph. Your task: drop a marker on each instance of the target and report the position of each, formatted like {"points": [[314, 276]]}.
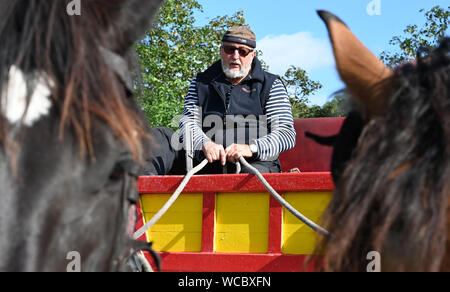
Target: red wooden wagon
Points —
{"points": [[230, 223]]}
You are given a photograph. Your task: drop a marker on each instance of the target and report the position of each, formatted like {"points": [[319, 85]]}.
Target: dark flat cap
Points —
{"points": [[241, 35]]}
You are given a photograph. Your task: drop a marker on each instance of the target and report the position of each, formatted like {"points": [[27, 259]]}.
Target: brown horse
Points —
{"points": [[71, 136], [392, 196]]}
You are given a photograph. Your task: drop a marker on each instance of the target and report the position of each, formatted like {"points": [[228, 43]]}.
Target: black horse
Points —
{"points": [[392, 185], [71, 137]]}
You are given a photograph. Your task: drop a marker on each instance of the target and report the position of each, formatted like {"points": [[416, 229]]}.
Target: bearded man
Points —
{"points": [[236, 109]]}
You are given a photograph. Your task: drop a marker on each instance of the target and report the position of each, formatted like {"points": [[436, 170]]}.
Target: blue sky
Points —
{"points": [[289, 32]]}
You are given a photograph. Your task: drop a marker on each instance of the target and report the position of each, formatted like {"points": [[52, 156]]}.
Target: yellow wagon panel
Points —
{"points": [[242, 223], [297, 238], [180, 229]]}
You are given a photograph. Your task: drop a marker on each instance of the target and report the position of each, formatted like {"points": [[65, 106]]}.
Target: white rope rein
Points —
{"points": [[282, 201], [254, 171], [170, 202]]}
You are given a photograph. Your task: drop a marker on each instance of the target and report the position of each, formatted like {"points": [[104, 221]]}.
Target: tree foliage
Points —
{"points": [[299, 88], [298, 81], [418, 38], [175, 50]]}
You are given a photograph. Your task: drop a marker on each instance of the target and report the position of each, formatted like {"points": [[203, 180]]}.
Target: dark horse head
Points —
{"points": [[71, 136], [392, 196]]}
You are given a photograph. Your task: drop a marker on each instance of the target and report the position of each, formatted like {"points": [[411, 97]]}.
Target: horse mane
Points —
{"points": [[393, 196], [39, 36]]}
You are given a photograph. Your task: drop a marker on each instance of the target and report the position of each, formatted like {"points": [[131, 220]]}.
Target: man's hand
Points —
{"points": [[214, 152], [236, 151]]}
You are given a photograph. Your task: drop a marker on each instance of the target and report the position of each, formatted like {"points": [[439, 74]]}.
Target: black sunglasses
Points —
{"points": [[243, 52]]}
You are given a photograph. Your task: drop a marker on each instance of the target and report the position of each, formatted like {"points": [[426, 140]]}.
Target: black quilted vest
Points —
{"points": [[229, 111]]}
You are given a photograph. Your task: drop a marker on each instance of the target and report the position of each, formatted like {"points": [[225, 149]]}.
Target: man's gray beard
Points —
{"points": [[233, 74]]}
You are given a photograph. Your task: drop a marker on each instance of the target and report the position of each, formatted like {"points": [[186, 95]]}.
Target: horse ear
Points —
{"points": [[134, 19], [366, 77]]}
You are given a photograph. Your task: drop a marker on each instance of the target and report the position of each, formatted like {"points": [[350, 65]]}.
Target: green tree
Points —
{"points": [[175, 50], [300, 86], [426, 37], [338, 106], [405, 49]]}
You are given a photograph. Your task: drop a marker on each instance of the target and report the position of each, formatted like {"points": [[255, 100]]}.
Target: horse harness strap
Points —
{"points": [[119, 66], [128, 205], [129, 197]]}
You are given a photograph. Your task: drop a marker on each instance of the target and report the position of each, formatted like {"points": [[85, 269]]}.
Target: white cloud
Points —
{"points": [[300, 49]]}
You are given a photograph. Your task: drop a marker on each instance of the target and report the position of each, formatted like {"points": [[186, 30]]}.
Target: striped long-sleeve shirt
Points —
{"points": [[281, 134]]}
